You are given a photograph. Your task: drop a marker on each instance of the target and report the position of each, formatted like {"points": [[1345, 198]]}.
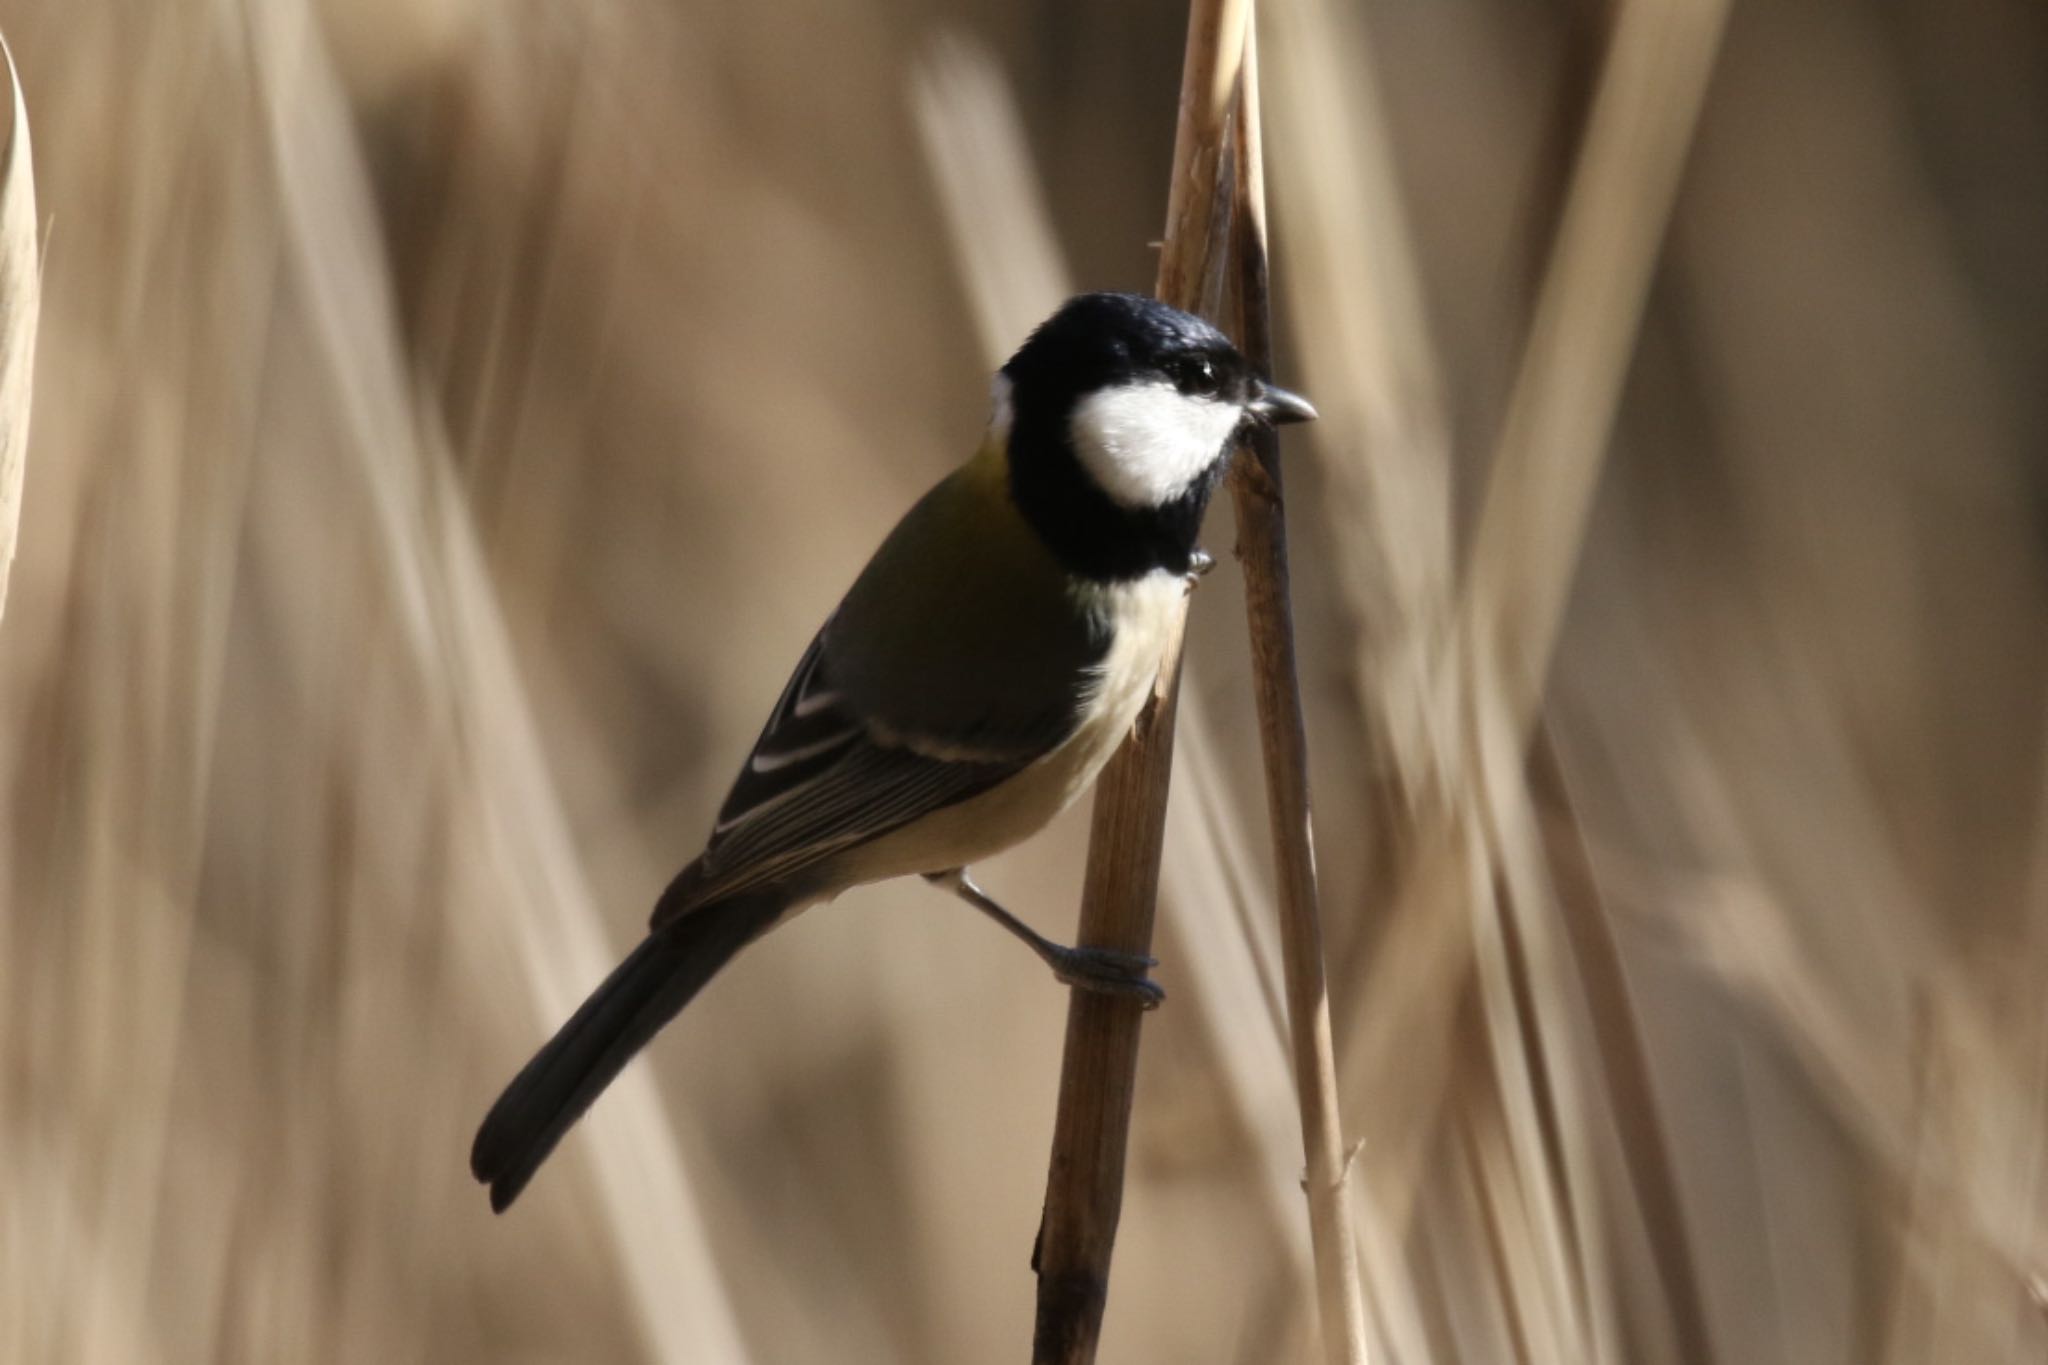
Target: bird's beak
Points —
{"points": [[1278, 407]]}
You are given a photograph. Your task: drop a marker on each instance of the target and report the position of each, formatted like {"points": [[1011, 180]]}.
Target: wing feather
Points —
{"points": [[820, 780]]}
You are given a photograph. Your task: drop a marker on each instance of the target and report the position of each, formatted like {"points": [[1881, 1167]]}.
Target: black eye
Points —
{"points": [[1196, 374]]}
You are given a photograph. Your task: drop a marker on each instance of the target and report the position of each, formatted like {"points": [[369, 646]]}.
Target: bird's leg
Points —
{"points": [[1199, 563], [1091, 969]]}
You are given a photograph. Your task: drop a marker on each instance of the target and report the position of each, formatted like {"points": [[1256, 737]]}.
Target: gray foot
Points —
{"points": [[1103, 970]]}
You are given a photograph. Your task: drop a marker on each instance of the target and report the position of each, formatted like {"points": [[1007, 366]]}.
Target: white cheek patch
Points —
{"points": [[1144, 444]]}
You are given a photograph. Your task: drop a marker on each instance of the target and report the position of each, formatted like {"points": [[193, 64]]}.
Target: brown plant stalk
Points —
{"points": [[1084, 1181], [1221, 204], [1255, 486]]}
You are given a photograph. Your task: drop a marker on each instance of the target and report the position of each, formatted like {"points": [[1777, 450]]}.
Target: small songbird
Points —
{"points": [[972, 683]]}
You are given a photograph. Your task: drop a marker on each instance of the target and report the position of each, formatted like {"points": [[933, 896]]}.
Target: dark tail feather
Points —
{"points": [[646, 990]]}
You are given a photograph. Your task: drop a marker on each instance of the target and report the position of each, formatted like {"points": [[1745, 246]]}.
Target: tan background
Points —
{"points": [[452, 419]]}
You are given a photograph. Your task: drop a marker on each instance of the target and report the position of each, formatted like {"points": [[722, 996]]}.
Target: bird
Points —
{"points": [[972, 682]]}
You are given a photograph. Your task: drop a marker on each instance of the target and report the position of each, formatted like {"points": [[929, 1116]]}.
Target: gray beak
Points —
{"points": [[1279, 407]]}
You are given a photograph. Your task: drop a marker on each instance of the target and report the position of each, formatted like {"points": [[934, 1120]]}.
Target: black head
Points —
{"points": [[1122, 413]]}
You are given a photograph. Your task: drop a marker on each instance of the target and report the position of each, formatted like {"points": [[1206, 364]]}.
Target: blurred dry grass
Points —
{"points": [[452, 419], [21, 278]]}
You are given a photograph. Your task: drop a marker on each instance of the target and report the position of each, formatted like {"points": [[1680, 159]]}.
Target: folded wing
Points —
{"points": [[959, 658]]}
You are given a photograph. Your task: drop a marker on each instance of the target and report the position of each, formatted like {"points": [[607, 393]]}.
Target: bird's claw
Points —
{"points": [[1199, 564], [1108, 972]]}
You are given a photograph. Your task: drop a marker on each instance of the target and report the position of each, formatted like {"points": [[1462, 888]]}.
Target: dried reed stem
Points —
{"points": [[1567, 390], [1539, 495], [1084, 1182], [20, 306], [430, 550], [1255, 486]]}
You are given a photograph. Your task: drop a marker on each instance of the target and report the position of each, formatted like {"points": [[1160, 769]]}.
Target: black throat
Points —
{"points": [[1093, 535]]}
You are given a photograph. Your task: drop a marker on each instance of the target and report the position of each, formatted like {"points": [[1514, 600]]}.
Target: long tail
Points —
{"points": [[645, 991]]}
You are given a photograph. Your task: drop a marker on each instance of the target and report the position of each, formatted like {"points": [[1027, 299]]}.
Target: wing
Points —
{"points": [[820, 780], [958, 658]]}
